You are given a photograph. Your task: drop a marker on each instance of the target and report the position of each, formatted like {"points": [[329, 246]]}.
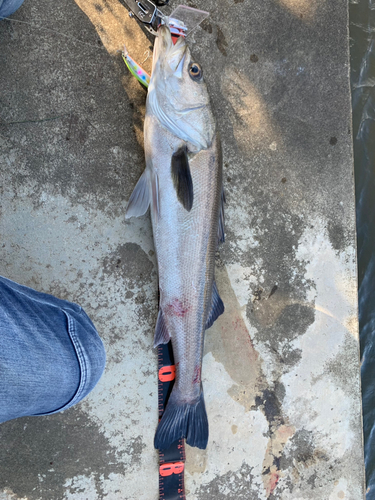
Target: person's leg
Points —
{"points": [[8, 7], [51, 356]]}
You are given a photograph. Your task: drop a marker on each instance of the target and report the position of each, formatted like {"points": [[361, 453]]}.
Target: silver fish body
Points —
{"points": [[183, 180]]}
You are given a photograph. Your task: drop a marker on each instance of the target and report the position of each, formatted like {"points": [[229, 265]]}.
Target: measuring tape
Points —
{"points": [[172, 460]]}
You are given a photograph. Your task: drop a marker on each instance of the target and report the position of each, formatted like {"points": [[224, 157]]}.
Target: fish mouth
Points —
{"points": [[164, 34], [173, 54]]}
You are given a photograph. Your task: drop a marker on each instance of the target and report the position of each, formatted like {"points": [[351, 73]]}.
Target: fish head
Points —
{"points": [[178, 95]]}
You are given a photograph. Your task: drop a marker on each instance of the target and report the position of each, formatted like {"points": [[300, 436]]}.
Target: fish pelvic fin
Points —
{"points": [[217, 307], [161, 332], [183, 420], [146, 192]]}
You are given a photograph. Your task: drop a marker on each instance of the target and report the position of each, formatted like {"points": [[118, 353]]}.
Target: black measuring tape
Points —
{"points": [[172, 460]]}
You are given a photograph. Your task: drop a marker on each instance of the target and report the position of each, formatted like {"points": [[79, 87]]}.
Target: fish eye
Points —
{"points": [[195, 71]]}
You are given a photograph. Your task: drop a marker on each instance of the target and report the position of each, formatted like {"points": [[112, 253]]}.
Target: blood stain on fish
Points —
{"points": [[197, 375], [176, 308]]}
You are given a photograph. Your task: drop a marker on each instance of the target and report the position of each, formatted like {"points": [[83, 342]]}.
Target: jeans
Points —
{"points": [[51, 356], [7, 7]]}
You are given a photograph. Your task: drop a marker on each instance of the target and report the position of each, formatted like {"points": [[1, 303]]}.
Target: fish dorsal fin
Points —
{"points": [[145, 192], [217, 307], [161, 333], [181, 176], [221, 227]]}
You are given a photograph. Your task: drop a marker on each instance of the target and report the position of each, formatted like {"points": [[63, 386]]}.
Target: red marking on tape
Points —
{"points": [[167, 373], [166, 470]]}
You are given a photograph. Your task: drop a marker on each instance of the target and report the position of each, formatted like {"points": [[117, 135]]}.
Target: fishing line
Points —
{"points": [[69, 37]]}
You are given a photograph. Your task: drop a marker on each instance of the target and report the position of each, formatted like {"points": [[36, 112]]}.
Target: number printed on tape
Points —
{"points": [[167, 373], [169, 469]]}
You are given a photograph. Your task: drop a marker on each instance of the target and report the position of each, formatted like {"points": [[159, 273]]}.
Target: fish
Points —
{"points": [[182, 184]]}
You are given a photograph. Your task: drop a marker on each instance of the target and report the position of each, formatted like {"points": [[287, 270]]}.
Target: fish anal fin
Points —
{"points": [[181, 176], [217, 307], [161, 333], [221, 227]]}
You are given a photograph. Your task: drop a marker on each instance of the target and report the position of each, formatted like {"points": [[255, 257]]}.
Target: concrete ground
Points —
{"points": [[281, 369]]}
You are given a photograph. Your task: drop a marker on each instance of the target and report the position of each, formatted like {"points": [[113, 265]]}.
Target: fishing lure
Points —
{"points": [[135, 69]]}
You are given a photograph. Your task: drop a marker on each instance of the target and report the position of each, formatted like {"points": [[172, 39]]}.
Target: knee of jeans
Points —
{"points": [[90, 351], [98, 366]]}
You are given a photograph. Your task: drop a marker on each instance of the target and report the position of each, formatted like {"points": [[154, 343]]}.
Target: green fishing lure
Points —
{"points": [[135, 69]]}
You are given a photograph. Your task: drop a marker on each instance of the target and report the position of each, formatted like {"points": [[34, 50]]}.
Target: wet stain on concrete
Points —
{"points": [[333, 141], [196, 460], [134, 450], [206, 26], [341, 368], [274, 289], [306, 462], [132, 263], [230, 343], [78, 130], [271, 406], [221, 41], [278, 323], [302, 447], [39, 454], [294, 319], [234, 484], [336, 235], [270, 402]]}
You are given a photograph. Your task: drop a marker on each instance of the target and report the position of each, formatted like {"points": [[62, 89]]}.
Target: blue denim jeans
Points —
{"points": [[51, 356], [7, 7]]}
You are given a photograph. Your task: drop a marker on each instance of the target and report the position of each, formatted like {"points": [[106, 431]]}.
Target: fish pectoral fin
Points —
{"points": [[155, 194], [221, 227], [181, 176], [145, 192], [217, 307], [161, 333], [140, 198]]}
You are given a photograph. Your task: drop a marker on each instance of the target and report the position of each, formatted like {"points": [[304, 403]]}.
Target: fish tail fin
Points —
{"points": [[183, 420]]}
